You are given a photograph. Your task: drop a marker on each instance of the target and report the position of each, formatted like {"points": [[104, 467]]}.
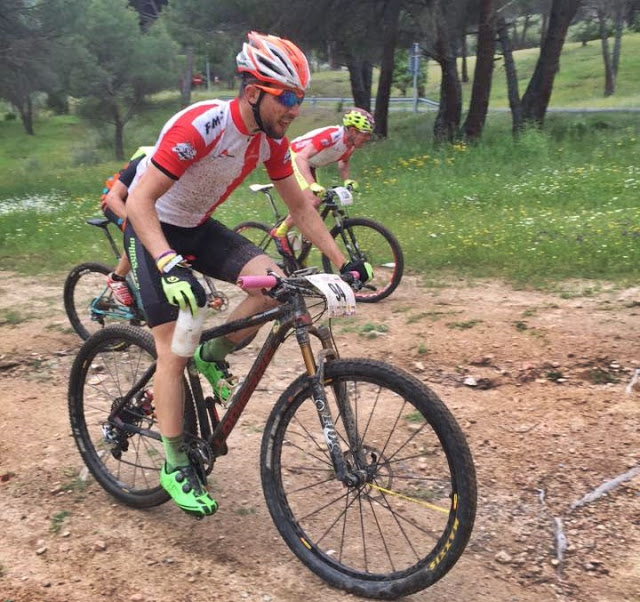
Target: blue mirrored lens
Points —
{"points": [[289, 99]]}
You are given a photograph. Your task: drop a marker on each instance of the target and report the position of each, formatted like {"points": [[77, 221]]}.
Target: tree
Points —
{"points": [[481, 89], [33, 43], [120, 65], [390, 22], [511, 74], [536, 98]]}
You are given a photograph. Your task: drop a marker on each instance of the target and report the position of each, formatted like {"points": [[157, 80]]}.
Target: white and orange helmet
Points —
{"points": [[274, 60]]}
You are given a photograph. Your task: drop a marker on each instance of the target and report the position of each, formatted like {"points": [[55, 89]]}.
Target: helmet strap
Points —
{"points": [[255, 107]]}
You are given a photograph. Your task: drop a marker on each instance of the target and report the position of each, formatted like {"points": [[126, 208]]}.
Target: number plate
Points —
{"points": [[344, 195], [340, 298]]}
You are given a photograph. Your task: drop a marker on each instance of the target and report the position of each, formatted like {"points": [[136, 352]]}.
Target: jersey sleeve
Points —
{"points": [[278, 165], [129, 172]]}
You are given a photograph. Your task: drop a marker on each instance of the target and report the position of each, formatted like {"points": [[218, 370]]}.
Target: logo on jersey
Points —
{"points": [[185, 151], [325, 142], [213, 123], [287, 157]]}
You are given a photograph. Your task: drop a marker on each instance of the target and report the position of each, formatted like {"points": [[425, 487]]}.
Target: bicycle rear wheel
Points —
{"points": [[89, 303], [124, 455], [367, 239], [409, 521]]}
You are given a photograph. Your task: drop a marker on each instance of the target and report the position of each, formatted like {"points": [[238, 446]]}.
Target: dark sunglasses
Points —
{"points": [[287, 98]]}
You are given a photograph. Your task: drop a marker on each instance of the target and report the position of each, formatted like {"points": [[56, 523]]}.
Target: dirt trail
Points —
{"points": [[536, 380]]}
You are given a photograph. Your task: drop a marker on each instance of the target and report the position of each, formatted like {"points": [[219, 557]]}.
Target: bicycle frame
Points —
{"points": [[329, 207], [292, 315]]}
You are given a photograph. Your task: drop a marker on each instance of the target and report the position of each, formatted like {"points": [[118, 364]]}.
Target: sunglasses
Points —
{"points": [[287, 98]]}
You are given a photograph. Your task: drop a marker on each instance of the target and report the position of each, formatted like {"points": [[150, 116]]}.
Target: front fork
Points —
{"points": [[345, 472]]}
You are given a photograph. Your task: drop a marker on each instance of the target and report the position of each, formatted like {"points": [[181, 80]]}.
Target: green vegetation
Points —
{"points": [[554, 204], [57, 520]]}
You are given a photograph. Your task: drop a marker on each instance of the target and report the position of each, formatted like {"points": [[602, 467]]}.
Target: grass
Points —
{"points": [[552, 205]]}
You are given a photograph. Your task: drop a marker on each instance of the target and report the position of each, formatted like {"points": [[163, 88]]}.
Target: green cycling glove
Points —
{"points": [[364, 269], [181, 287]]}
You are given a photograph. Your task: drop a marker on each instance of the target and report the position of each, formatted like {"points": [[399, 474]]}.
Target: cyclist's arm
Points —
{"points": [[343, 169], [116, 197], [302, 162], [141, 209], [308, 220]]}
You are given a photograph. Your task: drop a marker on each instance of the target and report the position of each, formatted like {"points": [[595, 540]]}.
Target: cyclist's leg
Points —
{"points": [[226, 255], [178, 478]]}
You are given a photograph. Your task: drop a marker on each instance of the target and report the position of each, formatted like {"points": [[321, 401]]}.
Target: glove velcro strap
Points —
{"points": [[172, 263]]}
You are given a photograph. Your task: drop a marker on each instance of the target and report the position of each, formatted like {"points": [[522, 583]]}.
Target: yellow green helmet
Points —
{"points": [[360, 119]]}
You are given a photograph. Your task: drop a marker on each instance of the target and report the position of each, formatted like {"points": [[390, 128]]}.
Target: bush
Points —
{"points": [[10, 117]]}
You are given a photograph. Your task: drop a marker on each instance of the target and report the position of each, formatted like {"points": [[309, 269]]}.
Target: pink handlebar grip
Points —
{"points": [[356, 275], [256, 282]]}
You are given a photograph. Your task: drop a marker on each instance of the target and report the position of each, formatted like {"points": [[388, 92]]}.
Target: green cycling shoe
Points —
{"points": [[186, 490], [217, 373]]}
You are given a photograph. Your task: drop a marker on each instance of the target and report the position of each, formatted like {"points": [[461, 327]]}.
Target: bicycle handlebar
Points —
{"points": [[269, 281]]}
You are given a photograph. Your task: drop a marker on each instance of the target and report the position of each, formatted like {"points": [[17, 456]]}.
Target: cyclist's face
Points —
{"points": [[358, 138], [276, 117]]}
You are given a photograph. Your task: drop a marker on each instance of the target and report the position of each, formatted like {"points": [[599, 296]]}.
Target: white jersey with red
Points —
{"points": [[208, 150], [330, 142]]}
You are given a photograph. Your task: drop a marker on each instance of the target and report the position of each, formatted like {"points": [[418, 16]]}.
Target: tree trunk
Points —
{"points": [[606, 57], [447, 123], [536, 98], [481, 89], [512, 77], [544, 13], [185, 99], [525, 29], [26, 115], [119, 134], [360, 75], [465, 70], [390, 22], [617, 44]]}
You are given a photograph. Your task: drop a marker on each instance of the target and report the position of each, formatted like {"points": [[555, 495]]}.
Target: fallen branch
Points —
{"points": [[605, 487]]}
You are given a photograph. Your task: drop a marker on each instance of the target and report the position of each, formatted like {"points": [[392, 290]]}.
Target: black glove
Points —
{"points": [[364, 269], [182, 288]]}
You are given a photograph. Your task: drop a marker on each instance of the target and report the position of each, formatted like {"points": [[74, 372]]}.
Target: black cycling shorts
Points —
{"points": [[210, 248]]}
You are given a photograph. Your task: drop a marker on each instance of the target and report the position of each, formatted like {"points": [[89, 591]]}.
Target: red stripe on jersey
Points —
{"points": [[181, 144]]}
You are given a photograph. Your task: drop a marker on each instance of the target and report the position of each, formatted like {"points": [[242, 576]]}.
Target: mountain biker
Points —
{"points": [[112, 201], [319, 148], [202, 154]]}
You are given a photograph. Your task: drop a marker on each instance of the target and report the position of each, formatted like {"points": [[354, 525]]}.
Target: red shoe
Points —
{"points": [[120, 290], [282, 243]]}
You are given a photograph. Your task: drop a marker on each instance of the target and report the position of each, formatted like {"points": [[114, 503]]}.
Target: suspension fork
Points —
{"points": [[315, 370]]}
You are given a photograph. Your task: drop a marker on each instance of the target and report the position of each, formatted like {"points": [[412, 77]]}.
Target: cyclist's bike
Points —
{"points": [[365, 472], [357, 237], [89, 302]]}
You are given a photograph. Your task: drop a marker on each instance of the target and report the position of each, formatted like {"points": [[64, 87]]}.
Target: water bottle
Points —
{"points": [[186, 335]]}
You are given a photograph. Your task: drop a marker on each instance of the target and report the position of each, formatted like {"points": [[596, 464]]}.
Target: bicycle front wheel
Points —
{"points": [[409, 519], [89, 303], [363, 238], [124, 453]]}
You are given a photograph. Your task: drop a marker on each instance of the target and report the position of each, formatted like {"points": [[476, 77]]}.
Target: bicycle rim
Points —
{"points": [[89, 303], [406, 526], [125, 463]]}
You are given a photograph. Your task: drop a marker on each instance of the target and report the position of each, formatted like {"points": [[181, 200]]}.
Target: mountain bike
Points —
{"points": [[365, 472], [357, 237], [89, 302]]}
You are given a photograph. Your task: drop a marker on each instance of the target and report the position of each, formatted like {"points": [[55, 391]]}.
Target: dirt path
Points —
{"points": [[537, 382]]}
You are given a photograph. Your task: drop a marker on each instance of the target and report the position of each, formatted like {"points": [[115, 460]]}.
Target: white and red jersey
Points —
{"points": [[208, 150], [330, 142]]}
